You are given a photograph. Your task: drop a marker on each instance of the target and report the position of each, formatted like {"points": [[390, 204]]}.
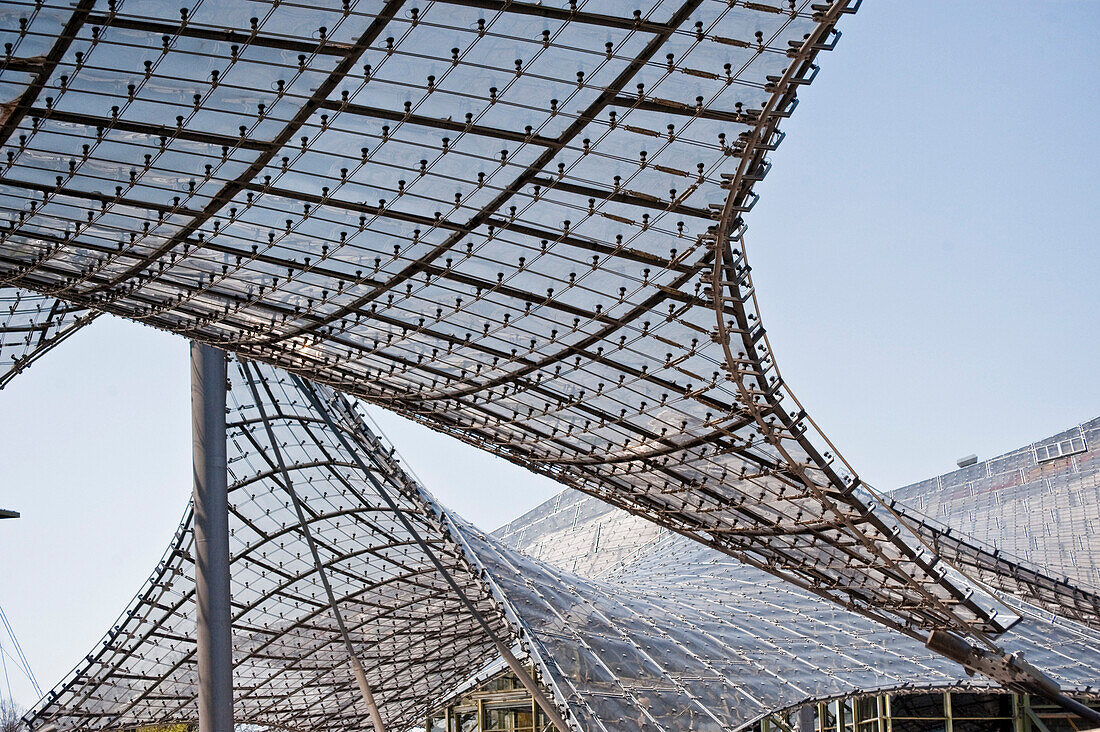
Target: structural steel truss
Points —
{"points": [[517, 223]]}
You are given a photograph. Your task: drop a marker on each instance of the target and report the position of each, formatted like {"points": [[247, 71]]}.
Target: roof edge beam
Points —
{"points": [[683, 110], [623, 196]]}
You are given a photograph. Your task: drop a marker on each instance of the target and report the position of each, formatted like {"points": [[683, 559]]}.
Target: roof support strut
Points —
{"points": [[213, 631]]}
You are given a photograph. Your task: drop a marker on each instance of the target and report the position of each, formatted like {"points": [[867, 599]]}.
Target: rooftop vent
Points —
{"points": [[966, 462]]}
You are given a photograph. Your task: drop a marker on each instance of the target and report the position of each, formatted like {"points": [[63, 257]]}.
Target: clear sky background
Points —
{"points": [[925, 252]]}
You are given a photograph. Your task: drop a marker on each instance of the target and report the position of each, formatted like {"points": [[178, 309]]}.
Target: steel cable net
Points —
{"points": [[644, 641], [30, 326], [634, 655], [516, 223], [412, 634], [664, 633]]}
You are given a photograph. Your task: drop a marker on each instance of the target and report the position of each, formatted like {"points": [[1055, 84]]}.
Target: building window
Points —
{"points": [[1055, 450], [510, 719], [918, 713], [464, 721], [982, 713], [497, 704]]}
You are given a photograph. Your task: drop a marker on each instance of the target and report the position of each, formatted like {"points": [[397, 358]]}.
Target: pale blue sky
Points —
{"points": [[925, 253]]}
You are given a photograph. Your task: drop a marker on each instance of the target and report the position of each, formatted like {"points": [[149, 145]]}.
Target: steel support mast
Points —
{"points": [[213, 633]]}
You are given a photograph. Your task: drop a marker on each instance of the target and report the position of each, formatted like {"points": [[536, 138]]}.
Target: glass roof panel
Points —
{"points": [[331, 188]]}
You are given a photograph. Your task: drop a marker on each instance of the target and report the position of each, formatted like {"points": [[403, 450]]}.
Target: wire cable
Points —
{"points": [[21, 661]]}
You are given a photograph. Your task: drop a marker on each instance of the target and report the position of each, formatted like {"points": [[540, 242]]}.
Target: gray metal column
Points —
{"points": [[212, 630], [806, 718]]}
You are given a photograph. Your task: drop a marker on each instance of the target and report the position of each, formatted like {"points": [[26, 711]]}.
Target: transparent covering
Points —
{"points": [[376, 533], [519, 223], [31, 325], [670, 635], [735, 643]]}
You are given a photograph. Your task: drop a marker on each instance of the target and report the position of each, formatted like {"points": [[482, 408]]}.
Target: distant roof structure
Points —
{"points": [[686, 638], [653, 592], [1038, 505], [670, 635], [518, 223], [1022, 522]]}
